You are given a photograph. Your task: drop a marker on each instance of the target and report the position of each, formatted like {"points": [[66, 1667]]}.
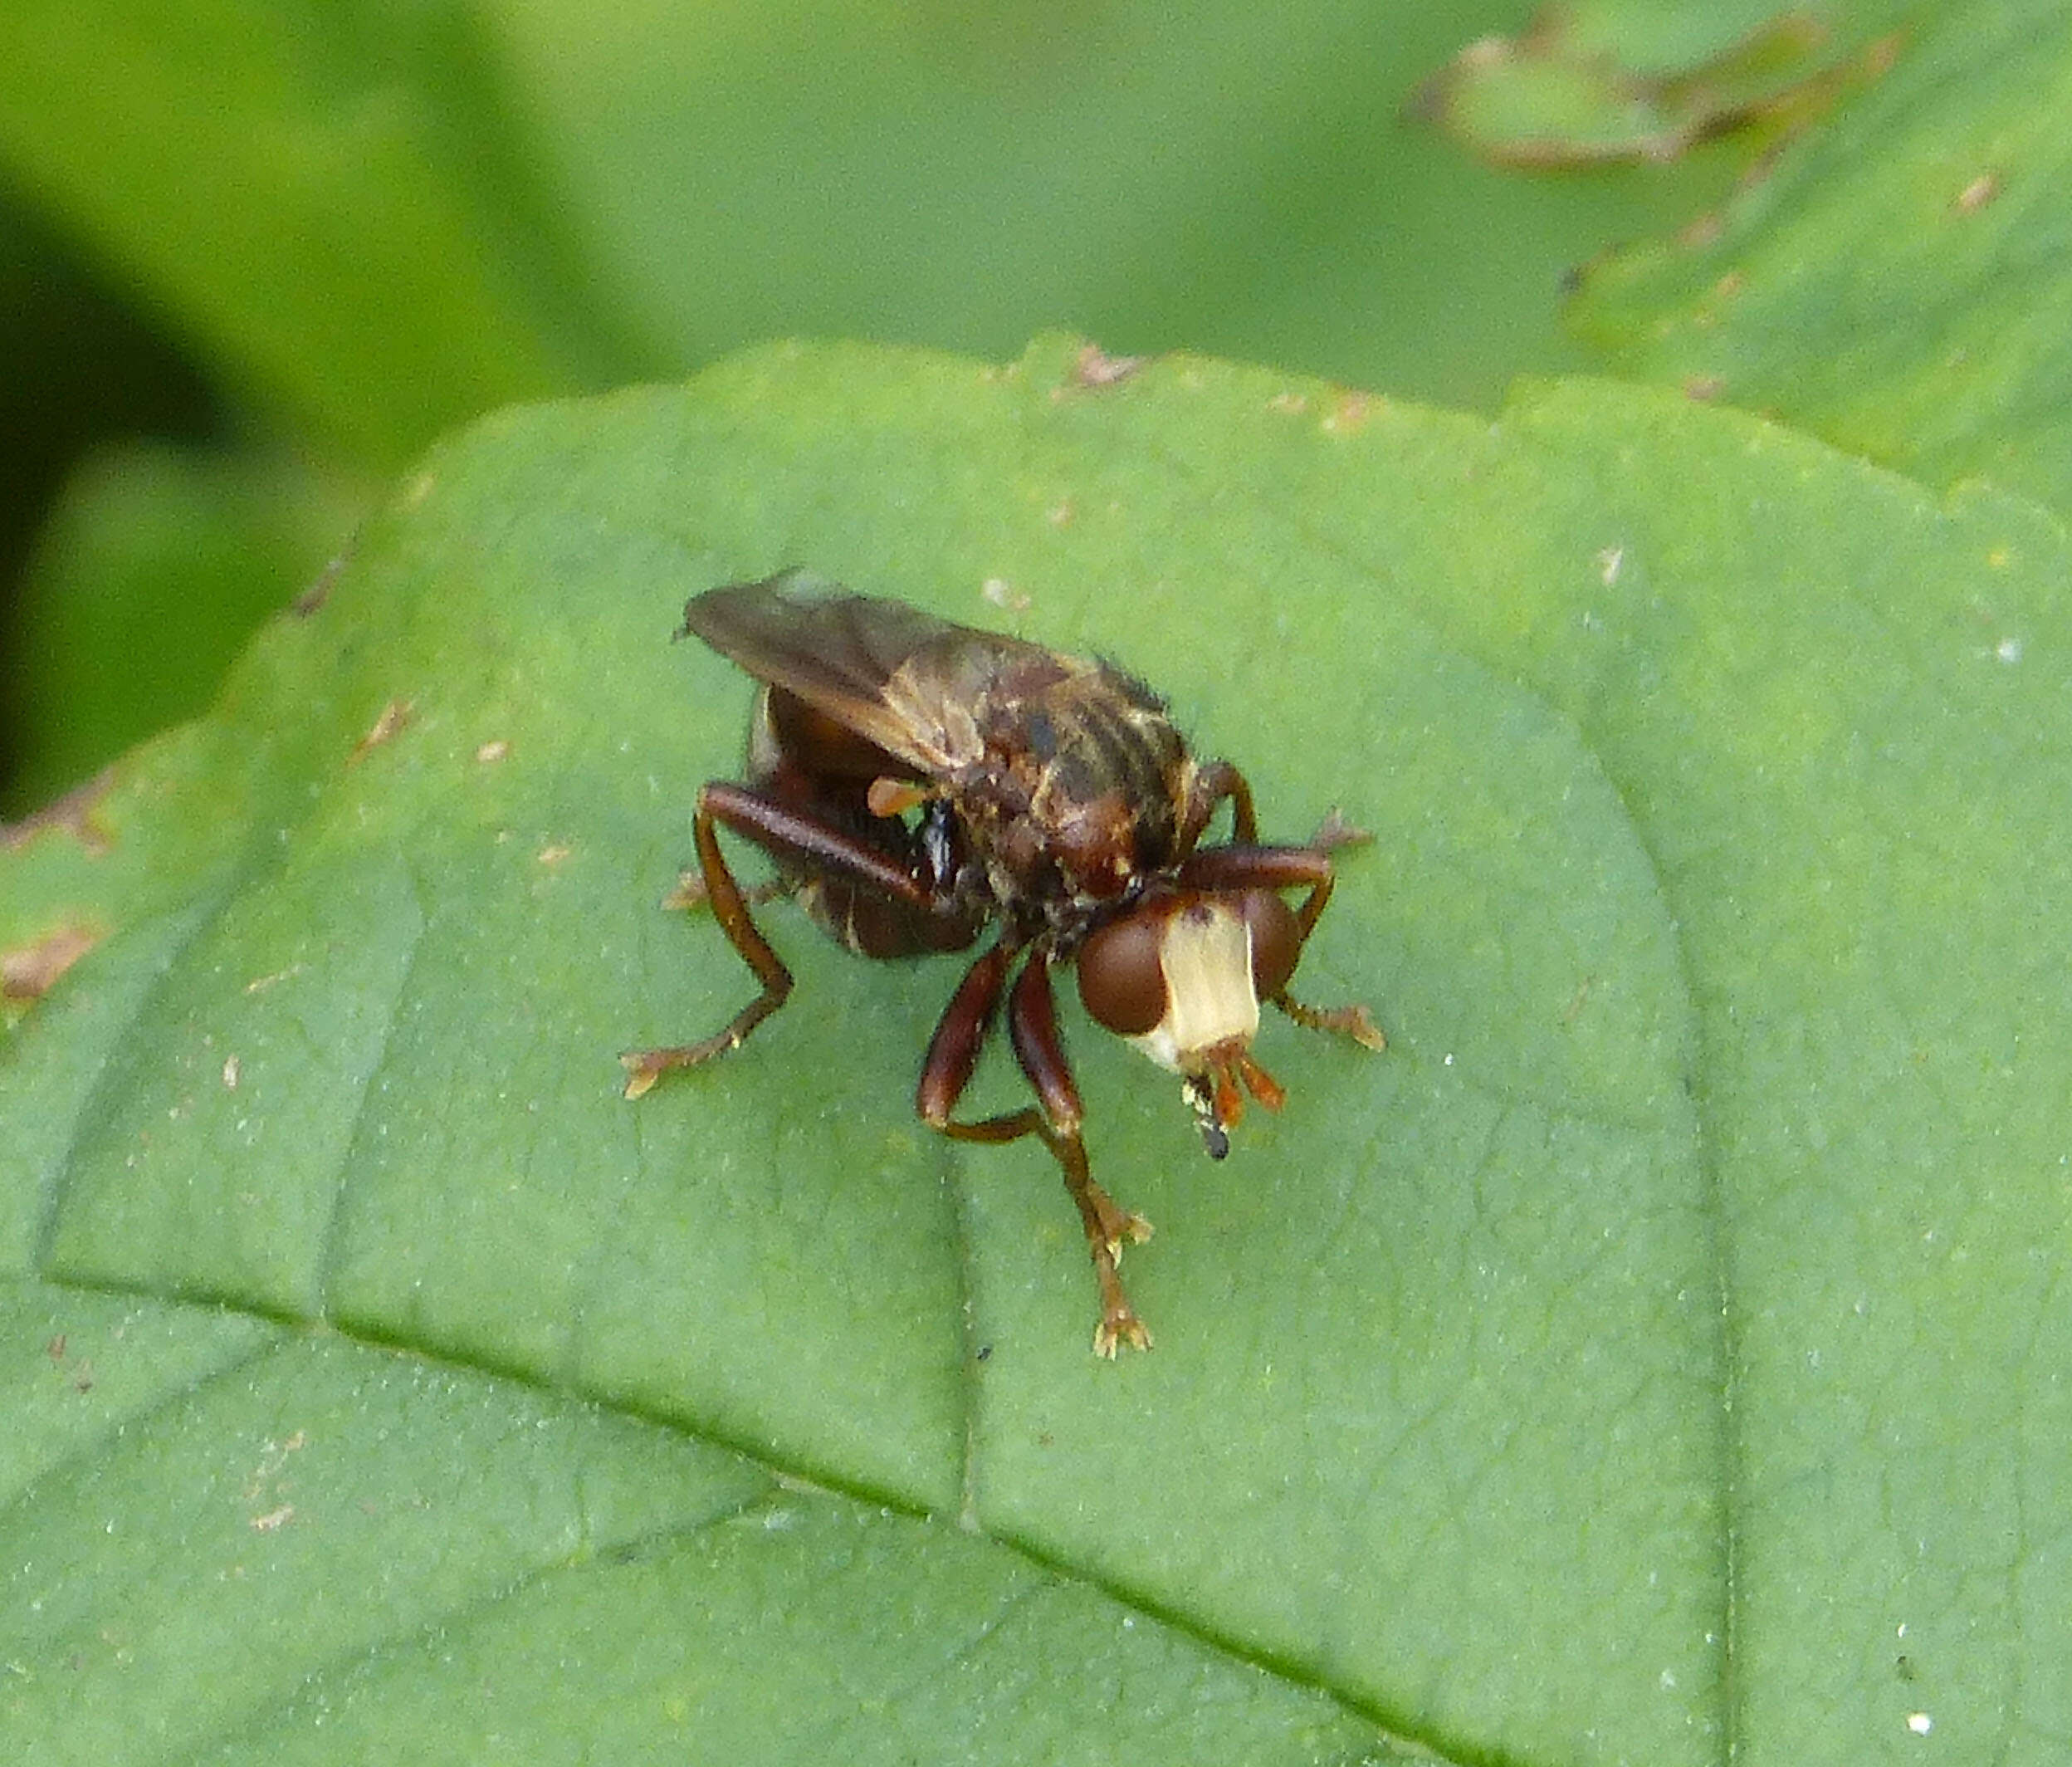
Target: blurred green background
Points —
{"points": [[255, 254]]}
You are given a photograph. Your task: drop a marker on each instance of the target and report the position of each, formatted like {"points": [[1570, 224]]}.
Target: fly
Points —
{"points": [[917, 782]]}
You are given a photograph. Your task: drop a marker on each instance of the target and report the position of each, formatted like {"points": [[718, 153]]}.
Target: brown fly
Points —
{"points": [[917, 782]]}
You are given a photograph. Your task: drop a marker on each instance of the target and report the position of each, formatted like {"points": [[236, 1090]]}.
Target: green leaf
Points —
{"points": [[154, 568], [1901, 282], [374, 218], [1234, 178], [1650, 1354], [328, 197], [1606, 86]]}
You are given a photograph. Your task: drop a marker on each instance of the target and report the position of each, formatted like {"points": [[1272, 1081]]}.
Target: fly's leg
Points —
{"points": [[644, 1067], [1289, 868], [1335, 832], [1032, 1024], [776, 827], [1355, 1022], [691, 893], [953, 1054], [1214, 782], [1109, 1227]]}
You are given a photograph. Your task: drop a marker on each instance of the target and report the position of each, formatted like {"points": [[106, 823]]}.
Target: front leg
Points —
{"points": [[1354, 1021], [953, 1054], [1213, 782], [1238, 867]]}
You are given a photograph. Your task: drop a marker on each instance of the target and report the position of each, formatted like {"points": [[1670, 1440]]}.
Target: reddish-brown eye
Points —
{"points": [[1277, 940], [1119, 979]]}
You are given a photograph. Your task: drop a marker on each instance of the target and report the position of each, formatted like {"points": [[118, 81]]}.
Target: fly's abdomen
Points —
{"points": [[820, 768]]}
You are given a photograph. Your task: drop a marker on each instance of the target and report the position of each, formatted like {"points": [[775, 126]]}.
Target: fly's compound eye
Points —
{"points": [[1277, 940], [1121, 979]]}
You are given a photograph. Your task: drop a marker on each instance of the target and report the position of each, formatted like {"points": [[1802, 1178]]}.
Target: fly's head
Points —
{"points": [[1180, 974]]}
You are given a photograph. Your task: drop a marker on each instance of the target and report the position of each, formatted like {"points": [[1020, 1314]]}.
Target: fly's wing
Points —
{"points": [[897, 677]]}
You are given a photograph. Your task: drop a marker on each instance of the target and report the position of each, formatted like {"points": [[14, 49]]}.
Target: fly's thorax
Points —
{"points": [[1108, 792]]}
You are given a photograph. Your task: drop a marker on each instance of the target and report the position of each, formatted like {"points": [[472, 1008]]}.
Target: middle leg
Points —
{"points": [[953, 1056]]}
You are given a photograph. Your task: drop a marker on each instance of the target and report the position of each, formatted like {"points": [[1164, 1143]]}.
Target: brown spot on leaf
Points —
{"points": [[29, 971], [1094, 368], [1702, 389], [72, 813], [492, 751], [1977, 194], [395, 716], [77, 1370], [318, 592], [1350, 411]]}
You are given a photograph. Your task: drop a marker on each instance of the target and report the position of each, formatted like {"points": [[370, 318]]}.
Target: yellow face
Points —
{"points": [[1181, 976], [1212, 1008], [1212, 1014]]}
